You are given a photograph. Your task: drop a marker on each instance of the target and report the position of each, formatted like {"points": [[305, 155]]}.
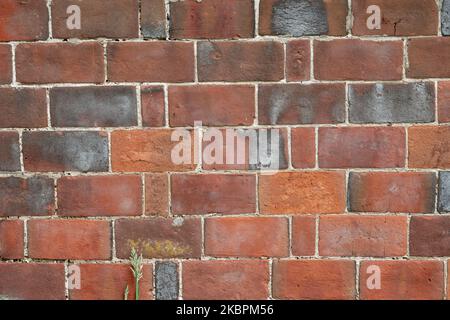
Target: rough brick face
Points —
{"points": [[212, 19], [153, 19], [392, 192], [303, 147], [303, 236], [157, 194], [246, 237], [11, 239], [444, 192], [298, 60], [404, 280], [429, 236], [5, 64], [354, 59], [99, 19], [429, 147], [231, 279], [152, 104], [428, 57], [9, 151], [59, 62], [444, 101]]}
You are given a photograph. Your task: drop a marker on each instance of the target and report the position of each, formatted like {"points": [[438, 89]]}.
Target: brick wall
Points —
{"points": [[86, 118]]}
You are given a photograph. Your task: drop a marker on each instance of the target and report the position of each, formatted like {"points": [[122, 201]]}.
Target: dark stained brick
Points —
{"points": [[9, 151]]}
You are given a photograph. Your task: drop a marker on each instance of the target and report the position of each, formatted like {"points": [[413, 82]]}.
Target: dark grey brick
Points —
{"points": [[93, 106], [153, 19], [444, 192], [167, 282], [392, 103], [445, 17], [9, 151]]}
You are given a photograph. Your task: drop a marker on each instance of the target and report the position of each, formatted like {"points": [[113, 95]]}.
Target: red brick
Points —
{"points": [[302, 192], [213, 193], [429, 58], [33, 196], [399, 18], [362, 147], [429, 236], [100, 196], [9, 151], [99, 19], [159, 238], [444, 102], [314, 279], [60, 62], [303, 147], [23, 20], [302, 17], [303, 236], [108, 282], [371, 236], [5, 64], [157, 194], [152, 104], [32, 281], [11, 239], [246, 237], [230, 279], [355, 59], [23, 108], [212, 19], [404, 280], [69, 239], [429, 147], [154, 61], [153, 19], [298, 60], [188, 104], [145, 150], [301, 104], [240, 61], [408, 192]]}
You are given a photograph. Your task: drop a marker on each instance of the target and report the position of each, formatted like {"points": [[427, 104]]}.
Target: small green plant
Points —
{"points": [[136, 268]]}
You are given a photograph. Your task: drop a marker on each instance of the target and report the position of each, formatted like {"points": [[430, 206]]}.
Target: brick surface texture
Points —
{"points": [[88, 116]]}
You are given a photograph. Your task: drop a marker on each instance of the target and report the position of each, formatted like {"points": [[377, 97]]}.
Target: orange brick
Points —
{"points": [[157, 194], [429, 147], [303, 236]]}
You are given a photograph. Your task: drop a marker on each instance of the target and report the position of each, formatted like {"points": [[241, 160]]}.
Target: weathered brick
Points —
{"points": [[301, 104], [69, 239], [99, 19], [9, 151], [298, 60], [246, 237], [429, 147], [408, 192], [159, 237], [153, 19], [213, 193], [302, 192], [108, 282], [59, 62], [32, 281], [152, 104], [429, 58], [11, 239], [303, 147], [230, 279], [355, 59], [445, 18], [370, 236], [314, 279], [188, 104], [444, 102], [23, 108], [166, 281], [403, 280], [5, 64], [212, 19], [362, 147], [146, 150], [399, 18], [240, 61], [154, 61], [302, 17], [157, 194], [303, 236], [429, 236], [23, 20], [65, 151], [391, 103], [93, 106], [100, 196], [444, 192], [32, 196]]}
